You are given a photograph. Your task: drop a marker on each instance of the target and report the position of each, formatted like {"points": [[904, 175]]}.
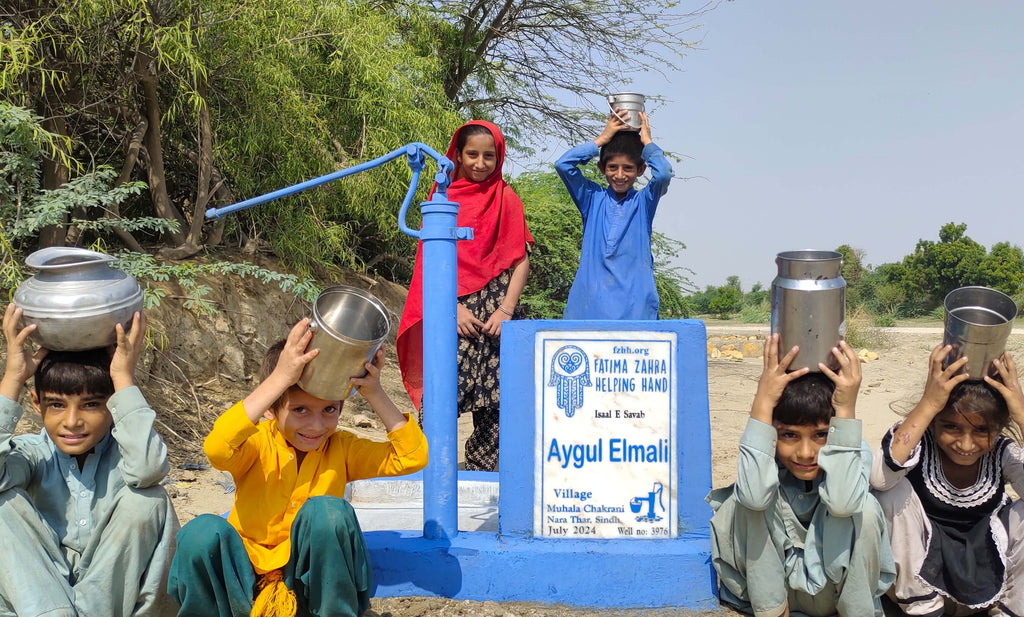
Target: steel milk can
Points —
{"points": [[808, 306]]}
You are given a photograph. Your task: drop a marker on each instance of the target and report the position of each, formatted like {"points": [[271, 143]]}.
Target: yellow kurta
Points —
{"points": [[270, 487]]}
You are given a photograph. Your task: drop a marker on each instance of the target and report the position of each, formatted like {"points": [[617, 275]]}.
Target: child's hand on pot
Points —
{"points": [[371, 380], [1008, 385]]}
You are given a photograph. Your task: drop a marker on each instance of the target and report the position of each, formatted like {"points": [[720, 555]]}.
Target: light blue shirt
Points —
{"points": [[74, 501], [615, 279], [810, 548], [842, 485]]}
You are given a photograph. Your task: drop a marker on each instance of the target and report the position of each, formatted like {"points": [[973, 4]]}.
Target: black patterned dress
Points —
{"points": [[964, 548], [478, 375]]}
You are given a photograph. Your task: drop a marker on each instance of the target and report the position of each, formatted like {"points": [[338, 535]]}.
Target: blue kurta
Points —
{"points": [[615, 279]]}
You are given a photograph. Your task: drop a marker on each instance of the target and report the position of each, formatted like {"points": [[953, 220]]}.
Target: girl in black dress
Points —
{"points": [[940, 475]]}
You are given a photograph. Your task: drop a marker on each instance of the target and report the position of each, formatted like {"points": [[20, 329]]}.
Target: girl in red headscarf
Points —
{"points": [[492, 270]]}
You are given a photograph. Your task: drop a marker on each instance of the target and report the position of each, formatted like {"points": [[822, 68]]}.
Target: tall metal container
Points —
{"points": [[809, 305]]}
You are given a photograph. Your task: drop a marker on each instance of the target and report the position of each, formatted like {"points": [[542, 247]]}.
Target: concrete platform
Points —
{"points": [[485, 566], [397, 503], [480, 564]]}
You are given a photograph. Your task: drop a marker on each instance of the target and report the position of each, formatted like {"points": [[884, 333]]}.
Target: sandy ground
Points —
{"points": [[892, 383]]}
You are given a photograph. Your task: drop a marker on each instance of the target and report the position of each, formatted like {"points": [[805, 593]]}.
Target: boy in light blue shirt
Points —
{"points": [[615, 279], [798, 534], [86, 527]]}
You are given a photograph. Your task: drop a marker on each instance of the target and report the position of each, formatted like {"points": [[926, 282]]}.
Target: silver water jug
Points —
{"points": [[809, 305], [349, 325], [977, 323], [76, 298]]}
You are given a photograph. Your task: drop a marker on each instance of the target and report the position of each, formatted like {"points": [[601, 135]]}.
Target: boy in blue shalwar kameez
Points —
{"points": [[615, 279]]}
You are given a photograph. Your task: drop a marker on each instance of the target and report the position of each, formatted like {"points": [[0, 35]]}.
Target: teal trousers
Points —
{"points": [[329, 567]]}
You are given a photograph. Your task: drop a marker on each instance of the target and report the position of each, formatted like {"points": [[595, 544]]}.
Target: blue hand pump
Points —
{"points": [[440, 379]]}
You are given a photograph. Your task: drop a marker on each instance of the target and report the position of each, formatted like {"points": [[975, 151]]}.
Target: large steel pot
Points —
{"points": [[808, 306], [76, 298]]}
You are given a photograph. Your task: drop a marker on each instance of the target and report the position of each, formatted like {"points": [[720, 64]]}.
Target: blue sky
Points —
{"points": [[810, 124]]}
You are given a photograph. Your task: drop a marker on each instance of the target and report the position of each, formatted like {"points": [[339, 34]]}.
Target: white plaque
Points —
{"points": [[606, 450]]}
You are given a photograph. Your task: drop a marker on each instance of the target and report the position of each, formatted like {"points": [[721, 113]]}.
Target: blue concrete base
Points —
{"points": [[598, 573]]}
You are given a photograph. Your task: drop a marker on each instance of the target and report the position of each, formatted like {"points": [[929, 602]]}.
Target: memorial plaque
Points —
{"points": [[606, 451]]}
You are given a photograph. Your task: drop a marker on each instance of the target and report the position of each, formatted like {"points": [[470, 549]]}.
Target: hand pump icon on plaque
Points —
{"points": [[636, 503], [570, 373]]}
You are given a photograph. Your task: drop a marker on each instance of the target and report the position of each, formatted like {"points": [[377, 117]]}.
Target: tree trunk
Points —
{"points": [[192, 245], [220, 191], [157, 179], [131, 158], [55, 173]]}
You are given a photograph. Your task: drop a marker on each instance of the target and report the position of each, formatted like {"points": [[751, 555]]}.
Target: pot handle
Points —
{"points": [[615, 113], [313, 326]]}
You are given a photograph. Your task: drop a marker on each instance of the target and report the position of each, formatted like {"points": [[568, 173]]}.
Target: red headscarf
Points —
{"points": [[500, 235]]}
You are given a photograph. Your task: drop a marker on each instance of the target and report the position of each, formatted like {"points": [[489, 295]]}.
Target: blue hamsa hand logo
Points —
{"points": [[570, 373]]}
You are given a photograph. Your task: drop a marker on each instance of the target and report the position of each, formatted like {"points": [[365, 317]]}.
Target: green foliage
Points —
{"points": [[917, 285], [859, 334], [1003, 269], [936, 268], [299, 90], [912, 287], [146, 270], [728, 300], [25, 209], [725, 300], [293, 91], [881, 289], [757, 295], [94, 69], [670, 280], [555, 225], [884, 321], [517, 60], [757, 305], [23, 142], [91, 193], [756, 313], [853, 270]]}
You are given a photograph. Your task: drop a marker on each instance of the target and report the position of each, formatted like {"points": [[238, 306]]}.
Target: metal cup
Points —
{"points": [[977, 324], [349, 325], [630, 102]]}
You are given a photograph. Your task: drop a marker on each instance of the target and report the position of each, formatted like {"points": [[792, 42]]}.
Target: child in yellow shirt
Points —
{"points": [[291, 543]]}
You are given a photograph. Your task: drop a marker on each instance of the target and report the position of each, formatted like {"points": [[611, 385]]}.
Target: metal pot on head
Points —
{"points": [[629, 102], [978, 322], [349, 325], [809, 305], [76, 298]]}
